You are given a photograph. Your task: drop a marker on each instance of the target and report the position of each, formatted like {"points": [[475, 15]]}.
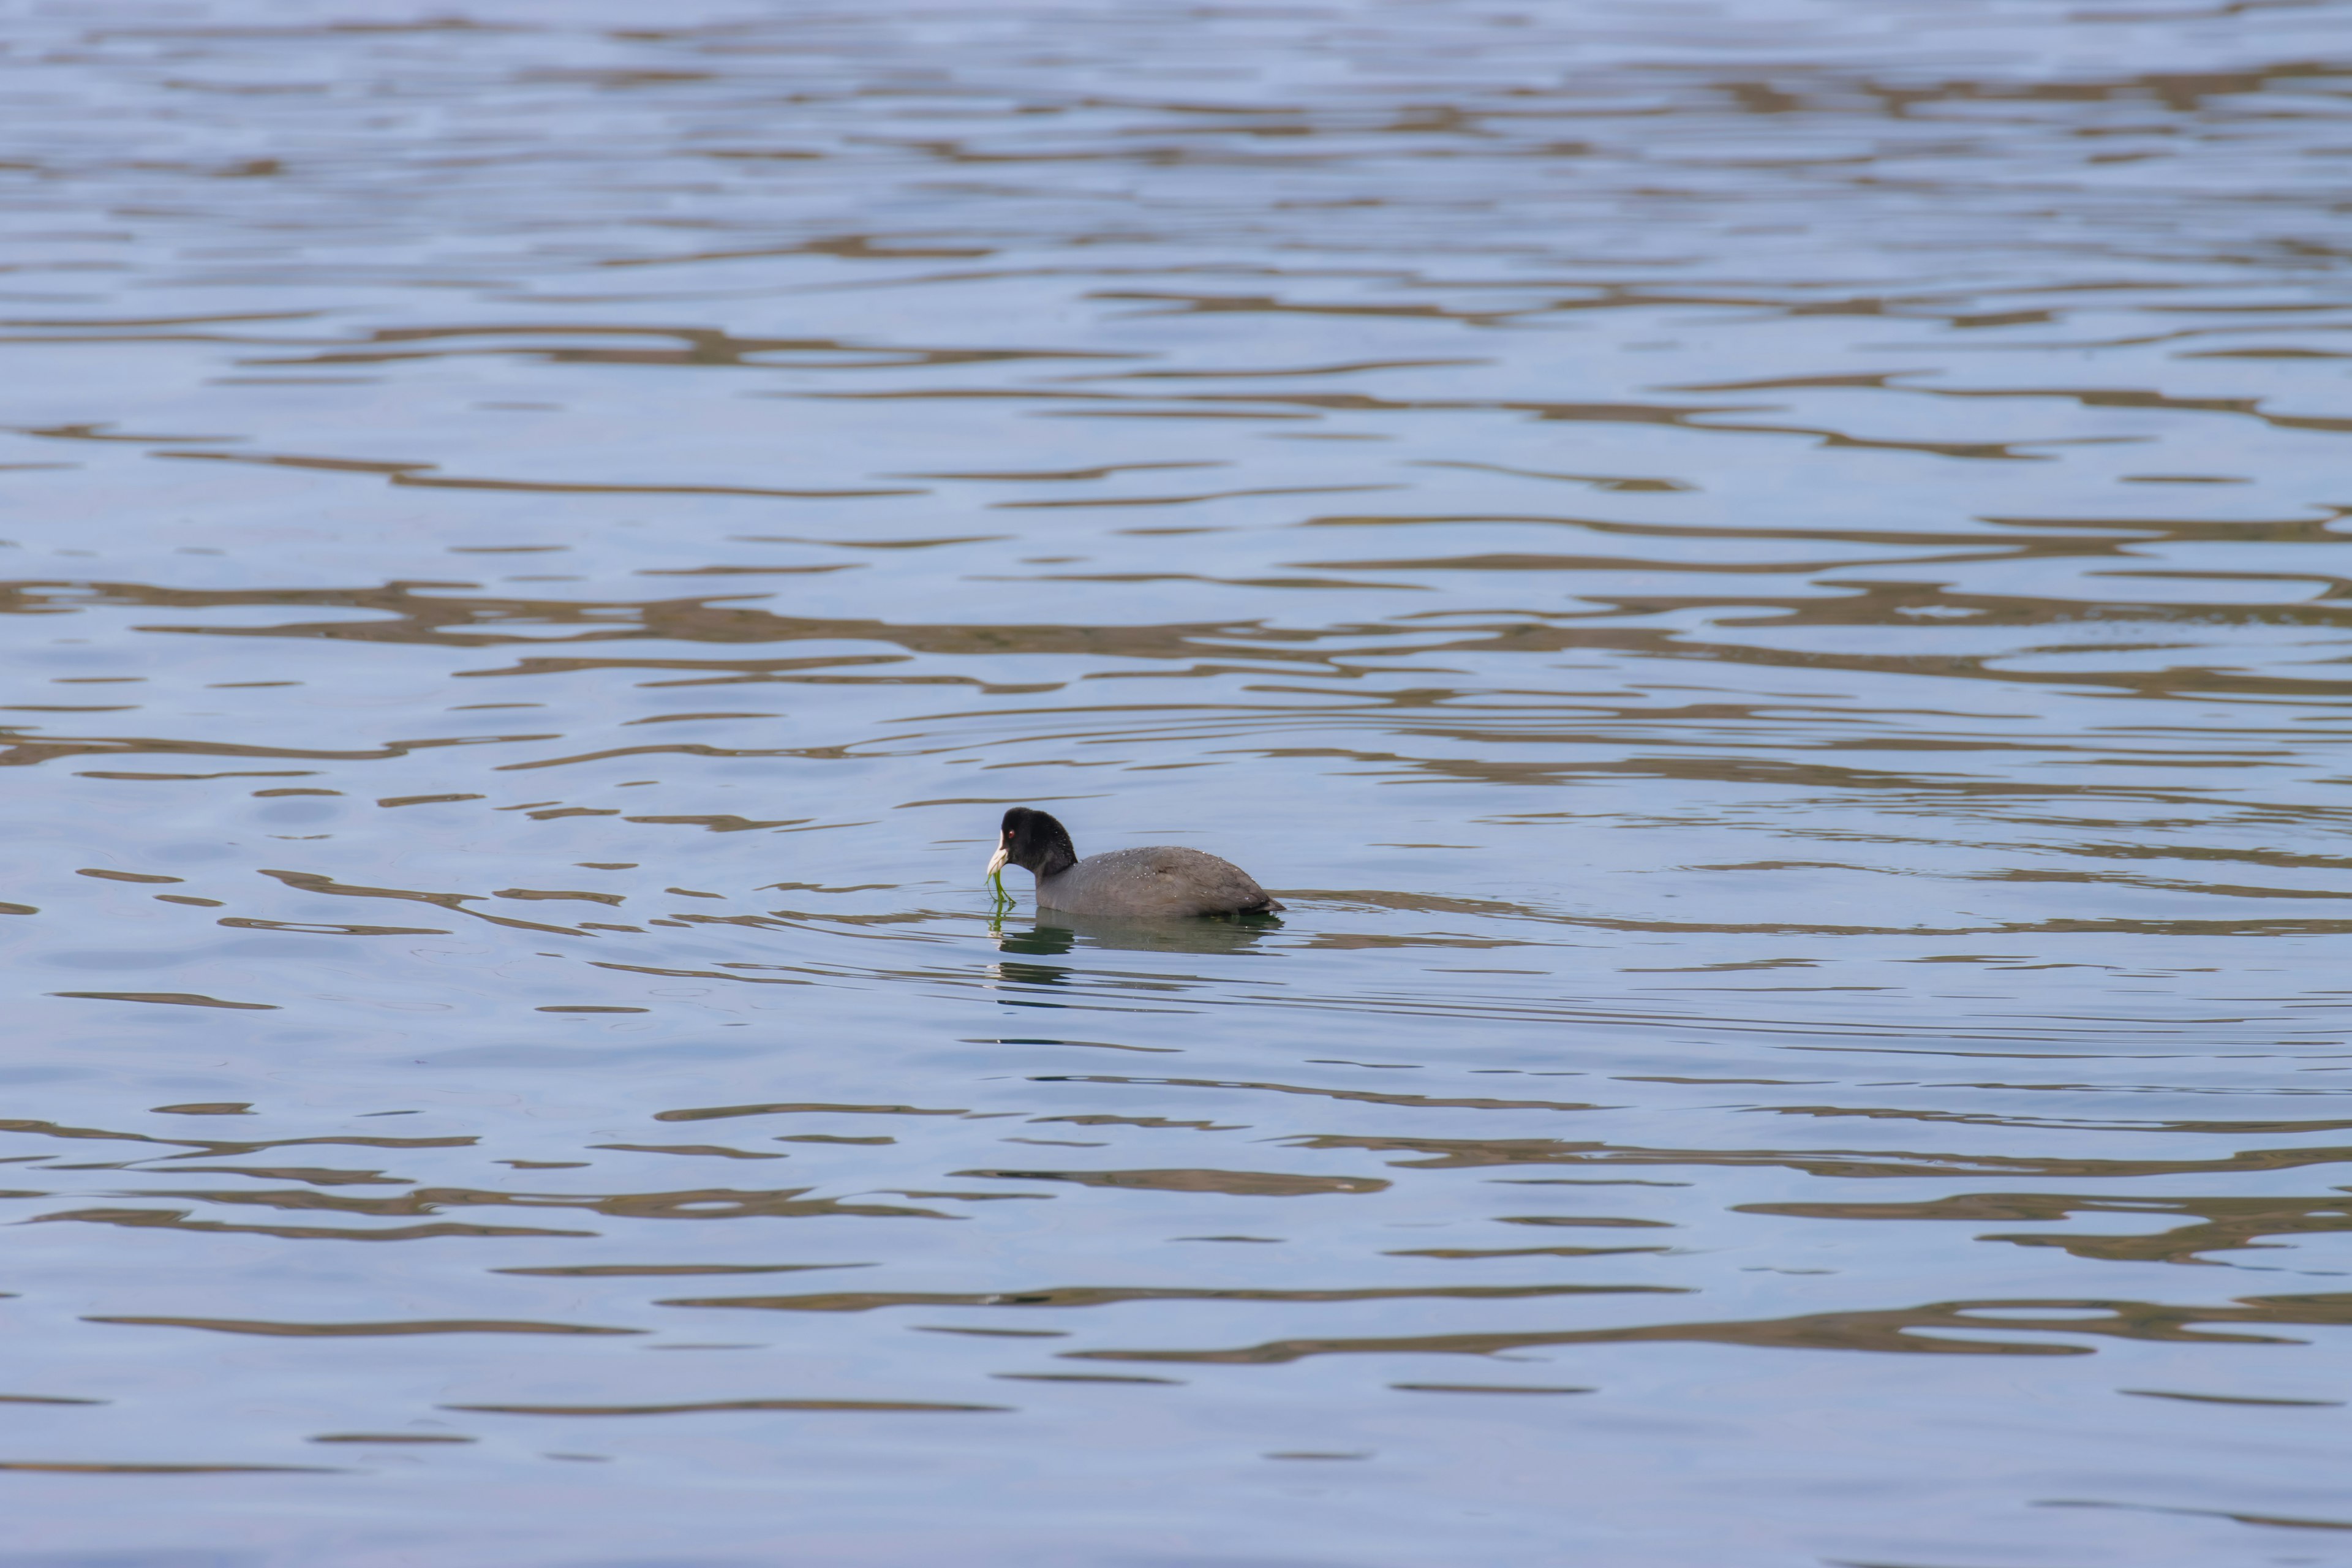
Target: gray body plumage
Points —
{"points": [[1166, 880]]}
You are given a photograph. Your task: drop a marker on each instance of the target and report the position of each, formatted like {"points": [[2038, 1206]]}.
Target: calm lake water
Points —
{"points": [[1766, 579]]}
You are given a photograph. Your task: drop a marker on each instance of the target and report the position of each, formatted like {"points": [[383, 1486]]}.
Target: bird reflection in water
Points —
{"points": [[1054, 934]]}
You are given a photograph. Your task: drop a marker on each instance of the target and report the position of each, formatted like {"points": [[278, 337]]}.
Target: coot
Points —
{"points": [[1164, 881]]}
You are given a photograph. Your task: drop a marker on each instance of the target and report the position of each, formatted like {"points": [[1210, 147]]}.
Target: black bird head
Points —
{"points": [[1034, 841]]}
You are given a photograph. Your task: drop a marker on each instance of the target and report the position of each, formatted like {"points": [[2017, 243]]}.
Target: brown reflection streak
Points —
{"points": [[701, 1203], [416, 474], [1103, 1296], [1687, 416], [63, 1468], [641, 1270], [1894, 1330], [719, 1405], [2232, 1399], [322, 928], [1237, 1184], [2223, 1127], [2276, 1520], [1371, 1097], [2119, 397], [1184, 501], [1454, 1153], [2228, 1224], [313, 882], [369, 1330], [1475, 1252], [223, 1148], [1525, 562], [688, 749], [557, 894], [314, 1174], [1486, 1388], [2056, 543], [177, 1220], [173, 998], [794, 1108], [708, 973], [1036, 476], [702, 345], [548, 487], [708, 1150]]}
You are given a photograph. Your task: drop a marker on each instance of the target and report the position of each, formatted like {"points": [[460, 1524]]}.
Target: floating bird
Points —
{"points": [[1164, 881]]}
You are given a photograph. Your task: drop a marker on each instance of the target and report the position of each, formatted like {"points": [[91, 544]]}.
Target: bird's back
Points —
{"points": [[1162, 881]]}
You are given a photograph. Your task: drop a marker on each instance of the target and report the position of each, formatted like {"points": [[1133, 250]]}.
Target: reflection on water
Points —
{"points": [[1760, 578], [1051, 933]]}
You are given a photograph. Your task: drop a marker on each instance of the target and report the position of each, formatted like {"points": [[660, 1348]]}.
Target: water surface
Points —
{"points": [[1763, 578]]}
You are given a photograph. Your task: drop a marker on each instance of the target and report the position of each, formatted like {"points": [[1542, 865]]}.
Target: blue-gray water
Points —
{"points": [[1766, 579]]}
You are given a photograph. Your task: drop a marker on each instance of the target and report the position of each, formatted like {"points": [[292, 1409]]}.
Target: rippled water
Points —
{"points": [[1765, 579]]}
